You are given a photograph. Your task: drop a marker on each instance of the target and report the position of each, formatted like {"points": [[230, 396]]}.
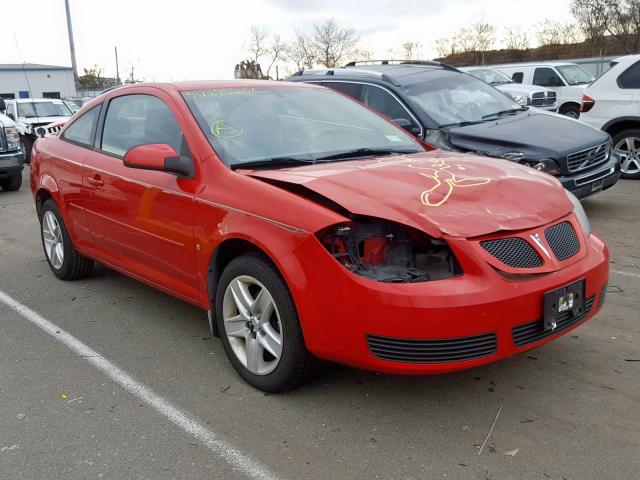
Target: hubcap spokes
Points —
{"points": [[252, 325], [629, 151], [53, 241]]}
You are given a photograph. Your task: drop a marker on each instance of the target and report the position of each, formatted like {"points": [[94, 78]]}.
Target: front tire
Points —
{"points": [[64, 260], [627, 146], [11, 184], [259, 325], [571, 111]]}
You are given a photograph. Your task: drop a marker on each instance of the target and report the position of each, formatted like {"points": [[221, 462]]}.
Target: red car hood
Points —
{"points": [[441, 193]]}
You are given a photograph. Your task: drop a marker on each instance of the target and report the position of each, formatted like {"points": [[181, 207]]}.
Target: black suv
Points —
{"points": [[452, 110]]}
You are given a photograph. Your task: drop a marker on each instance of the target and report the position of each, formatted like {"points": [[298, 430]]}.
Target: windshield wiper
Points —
{"points": [[362, 152], [504, 112], [461, 124], [273, 162]]}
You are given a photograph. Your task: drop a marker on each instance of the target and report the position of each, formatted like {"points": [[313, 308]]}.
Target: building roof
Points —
{"points": [[12, 67]]}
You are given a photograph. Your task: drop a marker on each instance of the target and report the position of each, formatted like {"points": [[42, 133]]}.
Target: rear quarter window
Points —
{"points": [[630, 78], [82, 130]]}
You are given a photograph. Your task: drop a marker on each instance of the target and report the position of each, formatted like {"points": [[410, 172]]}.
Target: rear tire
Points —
{"points": [[12, 184], [627, 145], [26, 145], [65, 261], [571, 111], [242, 333]]}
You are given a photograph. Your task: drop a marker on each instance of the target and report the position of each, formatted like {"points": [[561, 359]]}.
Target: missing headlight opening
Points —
{"points": [[389, 252]]}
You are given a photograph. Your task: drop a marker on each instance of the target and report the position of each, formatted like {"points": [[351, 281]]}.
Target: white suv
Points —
{"points": [[568, 80], [612, 104]]}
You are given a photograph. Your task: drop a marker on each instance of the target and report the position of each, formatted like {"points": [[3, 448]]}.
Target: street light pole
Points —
{"points": [[72, 47], [117, 69]]}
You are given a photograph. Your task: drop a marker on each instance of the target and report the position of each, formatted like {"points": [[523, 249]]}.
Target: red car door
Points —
{"points": [[64, 167], [141, 220]]}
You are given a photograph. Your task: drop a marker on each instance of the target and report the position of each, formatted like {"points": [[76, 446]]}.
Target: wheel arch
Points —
{"points": [[223, 254], [617, 125], [570, 103], [47, 188]]}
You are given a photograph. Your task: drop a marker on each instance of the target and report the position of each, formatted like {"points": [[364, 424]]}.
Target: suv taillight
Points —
{"points": [[587, 103]]}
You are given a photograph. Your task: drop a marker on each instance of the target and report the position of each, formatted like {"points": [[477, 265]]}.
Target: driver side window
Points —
{"points": [[134, 120], [547, 77]]}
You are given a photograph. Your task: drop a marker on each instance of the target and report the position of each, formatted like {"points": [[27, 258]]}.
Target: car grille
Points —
{"points": [[534, 331], [514, 251], [563, 240], [54, 130], [433, 351], [543, 99], [588, 158]]}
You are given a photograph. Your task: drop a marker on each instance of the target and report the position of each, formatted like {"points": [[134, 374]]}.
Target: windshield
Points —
{"points": [[575, 75], [451, 98], [492, 77], [55, 108], [273, 124]]}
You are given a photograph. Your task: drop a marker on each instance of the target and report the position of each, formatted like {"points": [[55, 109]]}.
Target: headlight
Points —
{"points": [[580, 213], [389, 252], [545, 165], [519, 98], [13, 138]]}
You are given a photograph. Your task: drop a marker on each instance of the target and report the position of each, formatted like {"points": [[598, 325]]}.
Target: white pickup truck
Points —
{"points": [[11, 158], [568, 80], [32, 113]]}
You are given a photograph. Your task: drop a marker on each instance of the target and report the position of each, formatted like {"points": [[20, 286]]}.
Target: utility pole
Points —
{"points": [[72, 47], [117, 69]]}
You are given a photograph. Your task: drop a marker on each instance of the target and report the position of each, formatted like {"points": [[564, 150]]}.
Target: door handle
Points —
{"points": [[95, 181]]}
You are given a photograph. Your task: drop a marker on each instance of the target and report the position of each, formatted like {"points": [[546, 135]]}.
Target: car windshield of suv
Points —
{"points": [[575, 75], [55, 108], [450, 98], [280, 124], [492, 77]]}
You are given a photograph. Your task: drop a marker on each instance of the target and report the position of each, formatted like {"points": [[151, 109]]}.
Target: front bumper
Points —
{"points": [[11, 164], [584, 184], [346, 318]]}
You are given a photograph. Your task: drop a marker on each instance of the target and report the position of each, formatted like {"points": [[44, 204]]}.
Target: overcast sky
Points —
{"points": [[193, 39]]}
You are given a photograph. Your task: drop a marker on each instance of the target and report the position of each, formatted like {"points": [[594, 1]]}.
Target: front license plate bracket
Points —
{"points": [[563, 302]]}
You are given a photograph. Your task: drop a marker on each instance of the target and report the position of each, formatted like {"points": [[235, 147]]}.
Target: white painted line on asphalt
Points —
{"points": [[626, 274], [216, 443]]}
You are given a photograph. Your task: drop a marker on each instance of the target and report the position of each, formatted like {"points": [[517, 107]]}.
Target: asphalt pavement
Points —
{"points": [[565, 411]]}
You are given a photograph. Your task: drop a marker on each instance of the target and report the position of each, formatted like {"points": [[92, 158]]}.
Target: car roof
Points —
{"points": [[31, 100], [532, 64], [398, 74], [213, 84]]}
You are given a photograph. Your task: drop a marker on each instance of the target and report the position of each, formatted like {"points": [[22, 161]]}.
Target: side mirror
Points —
{"points": [[159, 157], [406, 125], [3, 105]]}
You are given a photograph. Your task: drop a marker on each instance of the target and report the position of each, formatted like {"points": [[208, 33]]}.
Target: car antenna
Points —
{"points": [[26, 77]]}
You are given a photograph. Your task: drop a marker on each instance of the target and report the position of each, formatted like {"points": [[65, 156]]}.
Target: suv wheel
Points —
{"points": [[572, 111], [627, 146], [259, 325], [12, 184], [65, 261]]}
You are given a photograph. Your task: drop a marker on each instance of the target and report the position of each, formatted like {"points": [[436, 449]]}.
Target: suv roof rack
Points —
{"points": [[392, 62]]}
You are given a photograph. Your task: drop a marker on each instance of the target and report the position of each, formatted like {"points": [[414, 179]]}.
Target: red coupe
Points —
{"points": [[310, 226]]}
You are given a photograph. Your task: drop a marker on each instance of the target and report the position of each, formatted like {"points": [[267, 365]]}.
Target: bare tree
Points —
{"points": [[516, 38], [257, 42], [331, 43], [552, 32], [300, 51], [412, 50], [618, 18], [275, 50], [477, 37], [446, 46]]}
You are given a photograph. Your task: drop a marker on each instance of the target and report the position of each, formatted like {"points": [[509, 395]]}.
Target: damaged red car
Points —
{"points": [[309, 226]]}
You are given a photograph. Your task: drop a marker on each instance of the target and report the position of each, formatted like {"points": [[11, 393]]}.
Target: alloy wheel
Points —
{"points": [[53, 240], [629, 151], [252, 325]]}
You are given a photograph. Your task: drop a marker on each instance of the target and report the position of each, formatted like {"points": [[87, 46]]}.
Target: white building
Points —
{"points": [[31, 80]]}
